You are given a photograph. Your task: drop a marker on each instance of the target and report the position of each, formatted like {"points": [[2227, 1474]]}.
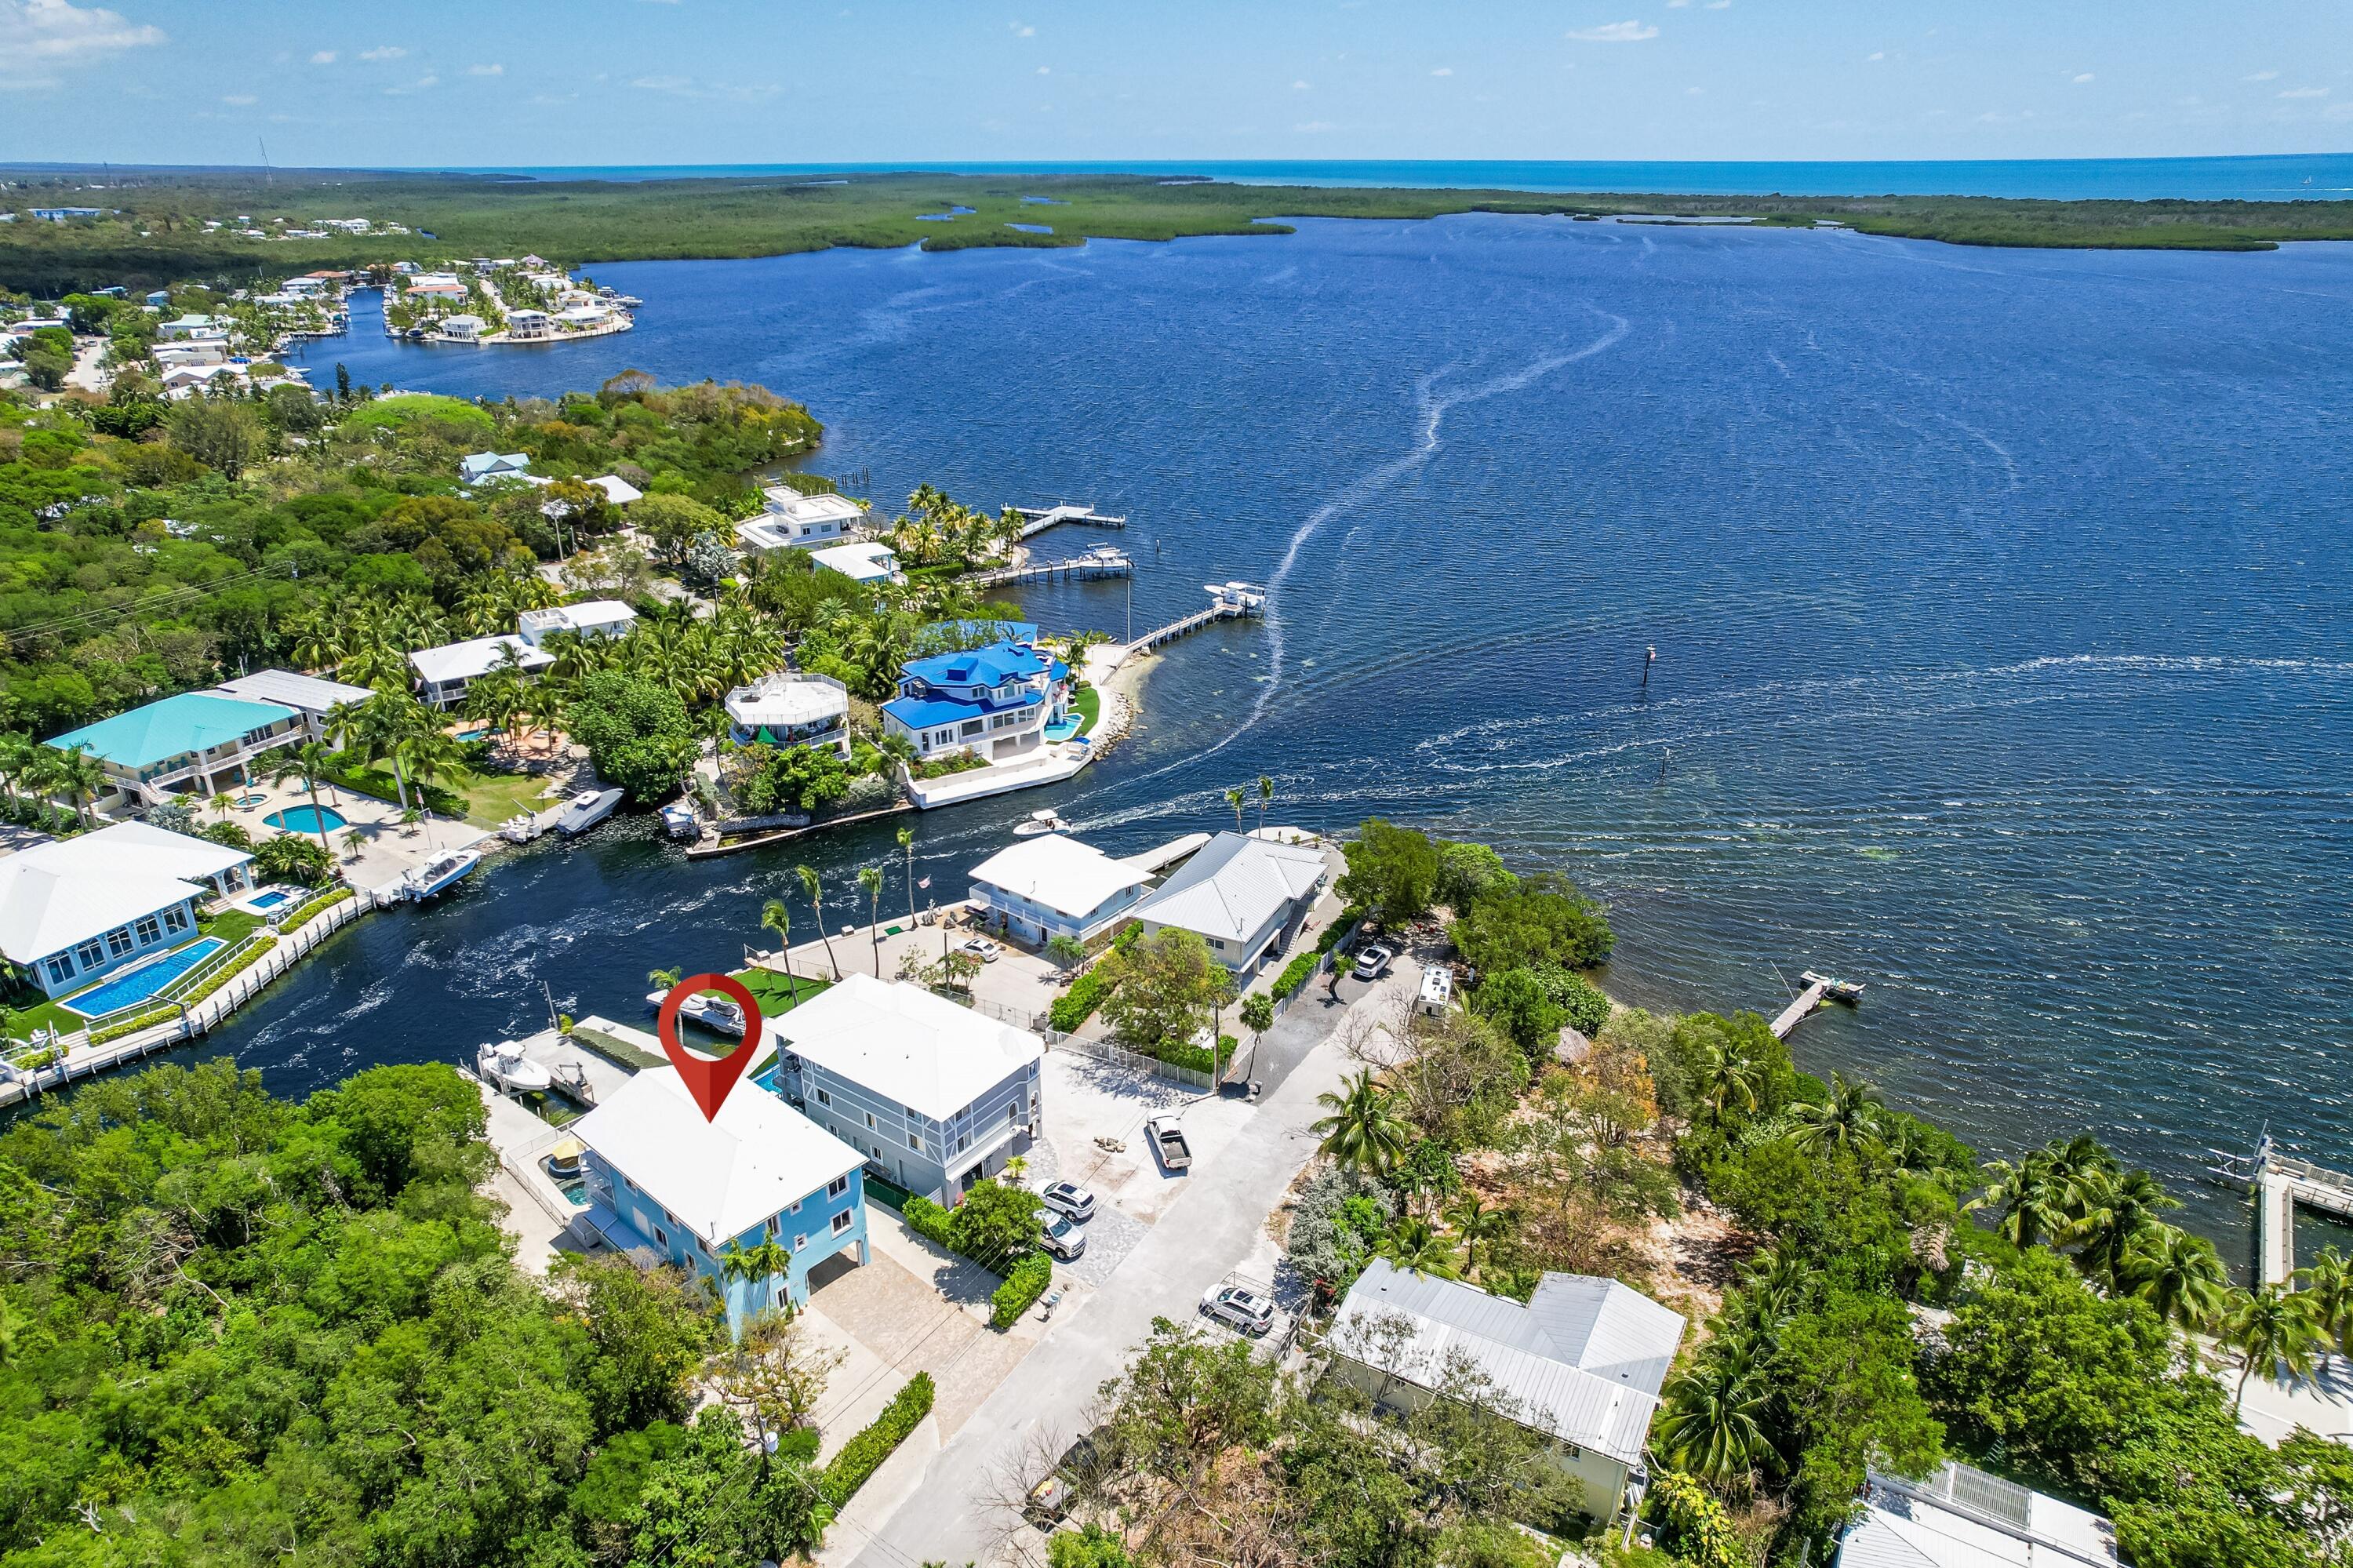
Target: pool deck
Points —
{"points": [[391, 850], [145, 971]]}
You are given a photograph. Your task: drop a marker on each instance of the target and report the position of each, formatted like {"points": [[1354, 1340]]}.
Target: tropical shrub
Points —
{"points": [[1022, 1287], [864, 1454]]}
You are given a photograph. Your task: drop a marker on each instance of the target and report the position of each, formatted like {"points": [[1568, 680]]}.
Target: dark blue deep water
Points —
{"points": [[2002, 601]]}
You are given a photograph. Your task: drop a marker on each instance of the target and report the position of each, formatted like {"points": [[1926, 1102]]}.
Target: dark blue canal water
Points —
{"points": [[2000, 598]]}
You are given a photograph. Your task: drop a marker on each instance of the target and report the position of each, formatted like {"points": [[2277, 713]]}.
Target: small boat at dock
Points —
{"points": [[680, 821], [1848, 991], [585, 810], [438, 874], [504, 1064], [719, 1014]]}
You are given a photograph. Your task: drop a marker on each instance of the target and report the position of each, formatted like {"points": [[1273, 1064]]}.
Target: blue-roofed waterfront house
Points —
{"points": [[667, 1185], [994, 701], [198, 743]]}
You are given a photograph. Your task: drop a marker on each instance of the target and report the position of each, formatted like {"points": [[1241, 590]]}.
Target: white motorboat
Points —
{"points": [[585, 810], [439, 873], [1041, 823], [505, 1064], [720, 1015], [680, 821], [520, 828]]}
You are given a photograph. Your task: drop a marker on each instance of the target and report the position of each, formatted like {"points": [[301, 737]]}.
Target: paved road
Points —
{"points": [[1210, 1230]]}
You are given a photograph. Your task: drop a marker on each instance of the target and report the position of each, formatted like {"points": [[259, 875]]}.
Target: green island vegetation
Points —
{"points": [[153, 230], [236, 1329]]}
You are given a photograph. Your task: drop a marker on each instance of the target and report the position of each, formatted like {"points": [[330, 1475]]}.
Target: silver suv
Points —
{"points": [[1069, 1198], [1061, 1237], [1239, 1308]]}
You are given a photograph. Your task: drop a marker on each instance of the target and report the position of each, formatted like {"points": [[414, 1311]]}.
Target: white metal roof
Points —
{"points": [[1963, 1518], [789, 505], [312, 694], [787, 698], [863, 562], [901, 1041], [588, 615], [617, 491], [1059, 871], [1232, 886], [1585, 1358], [719, 1176], [475, 657], [55, 895]]}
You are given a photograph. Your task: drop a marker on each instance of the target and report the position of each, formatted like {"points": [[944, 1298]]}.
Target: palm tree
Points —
{"points": [[907, 849], [869, 877], [664, 979], [2117, 1211], [764, 1262], [2080, 1167], [2179, 1275], [775, 916], [1364, 1129], [1728, 1078], [2327, 1284], [81, 776], [309, 761], [1713, 1427], [221, 804], [2033, 1204], [17, 751], [808, 874], [427, 754], [1266, 795], [2270, 1327], [354, 841], [1476, 1221], [1415, 1247], [1234, 799], [1849, 1119], [44, 775]]}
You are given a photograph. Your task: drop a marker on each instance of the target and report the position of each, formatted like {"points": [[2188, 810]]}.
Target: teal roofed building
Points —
{"points": [[198, 743]]}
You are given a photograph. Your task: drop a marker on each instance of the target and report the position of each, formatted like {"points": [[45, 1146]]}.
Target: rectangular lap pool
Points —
{"points": [[139, 984]]}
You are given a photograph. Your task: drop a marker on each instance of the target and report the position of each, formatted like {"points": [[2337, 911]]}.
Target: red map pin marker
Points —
{"points": [[709, 1080]]}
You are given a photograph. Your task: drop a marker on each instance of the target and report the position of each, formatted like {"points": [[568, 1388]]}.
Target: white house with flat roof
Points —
{"points": [[665, 1184], [197, 743], [802, 522], [935, 1096], [1244, 896], [443, 673], [75, 910], [1581, 1363], [864, 562], [790, 708], [589, 617], [1961, 1517], [312, 696], [1053, 885]]}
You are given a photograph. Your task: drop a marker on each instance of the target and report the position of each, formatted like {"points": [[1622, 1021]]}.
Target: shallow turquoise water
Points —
{"points": [[306, 818], [2002, 601]]}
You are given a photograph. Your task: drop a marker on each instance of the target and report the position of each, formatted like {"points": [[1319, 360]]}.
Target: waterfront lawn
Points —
{"points": [[21, 1021], [1087, 703], [775, 992], [231, 925], [492, 798]]}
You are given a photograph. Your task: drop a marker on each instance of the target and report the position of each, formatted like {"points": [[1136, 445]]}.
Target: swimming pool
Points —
{"points": [[262, 903], [306, 818], [1064, 727], [139, 984]]}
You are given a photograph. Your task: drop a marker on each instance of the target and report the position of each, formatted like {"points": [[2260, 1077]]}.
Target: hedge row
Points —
{"points": [[1078, 1004], [1023, 1285], [1295, 975], [864, 1454], [927, 1220], [212, 983]]}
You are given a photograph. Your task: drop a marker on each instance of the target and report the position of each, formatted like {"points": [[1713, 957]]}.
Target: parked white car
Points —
{"points": [[1241, 1310]]}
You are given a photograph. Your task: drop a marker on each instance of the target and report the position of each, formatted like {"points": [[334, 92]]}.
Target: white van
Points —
{"points": [[1437, 989]]}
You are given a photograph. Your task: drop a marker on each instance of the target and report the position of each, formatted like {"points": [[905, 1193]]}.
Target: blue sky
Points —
{"points": [[484, 82]]}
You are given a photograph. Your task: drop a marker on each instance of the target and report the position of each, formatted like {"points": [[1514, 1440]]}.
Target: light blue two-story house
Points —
{"points": [[934, 1096], [665, 1185], [998, 702]]}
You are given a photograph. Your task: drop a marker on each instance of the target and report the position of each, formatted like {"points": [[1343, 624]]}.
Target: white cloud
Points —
{"points": [[1315, 127], [1443, 71], [1613, 33], [419, 85], [1022, 31], [663, 83], [1300, 87], [1695, 92], [39, 38], [2305, 92], [1875, 55], [324, 57], [2261, 76], [492, 69], [1045, 71], [240, 99], [389, 52], [2082, 77], [1719, 5], [1677, 5]]}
